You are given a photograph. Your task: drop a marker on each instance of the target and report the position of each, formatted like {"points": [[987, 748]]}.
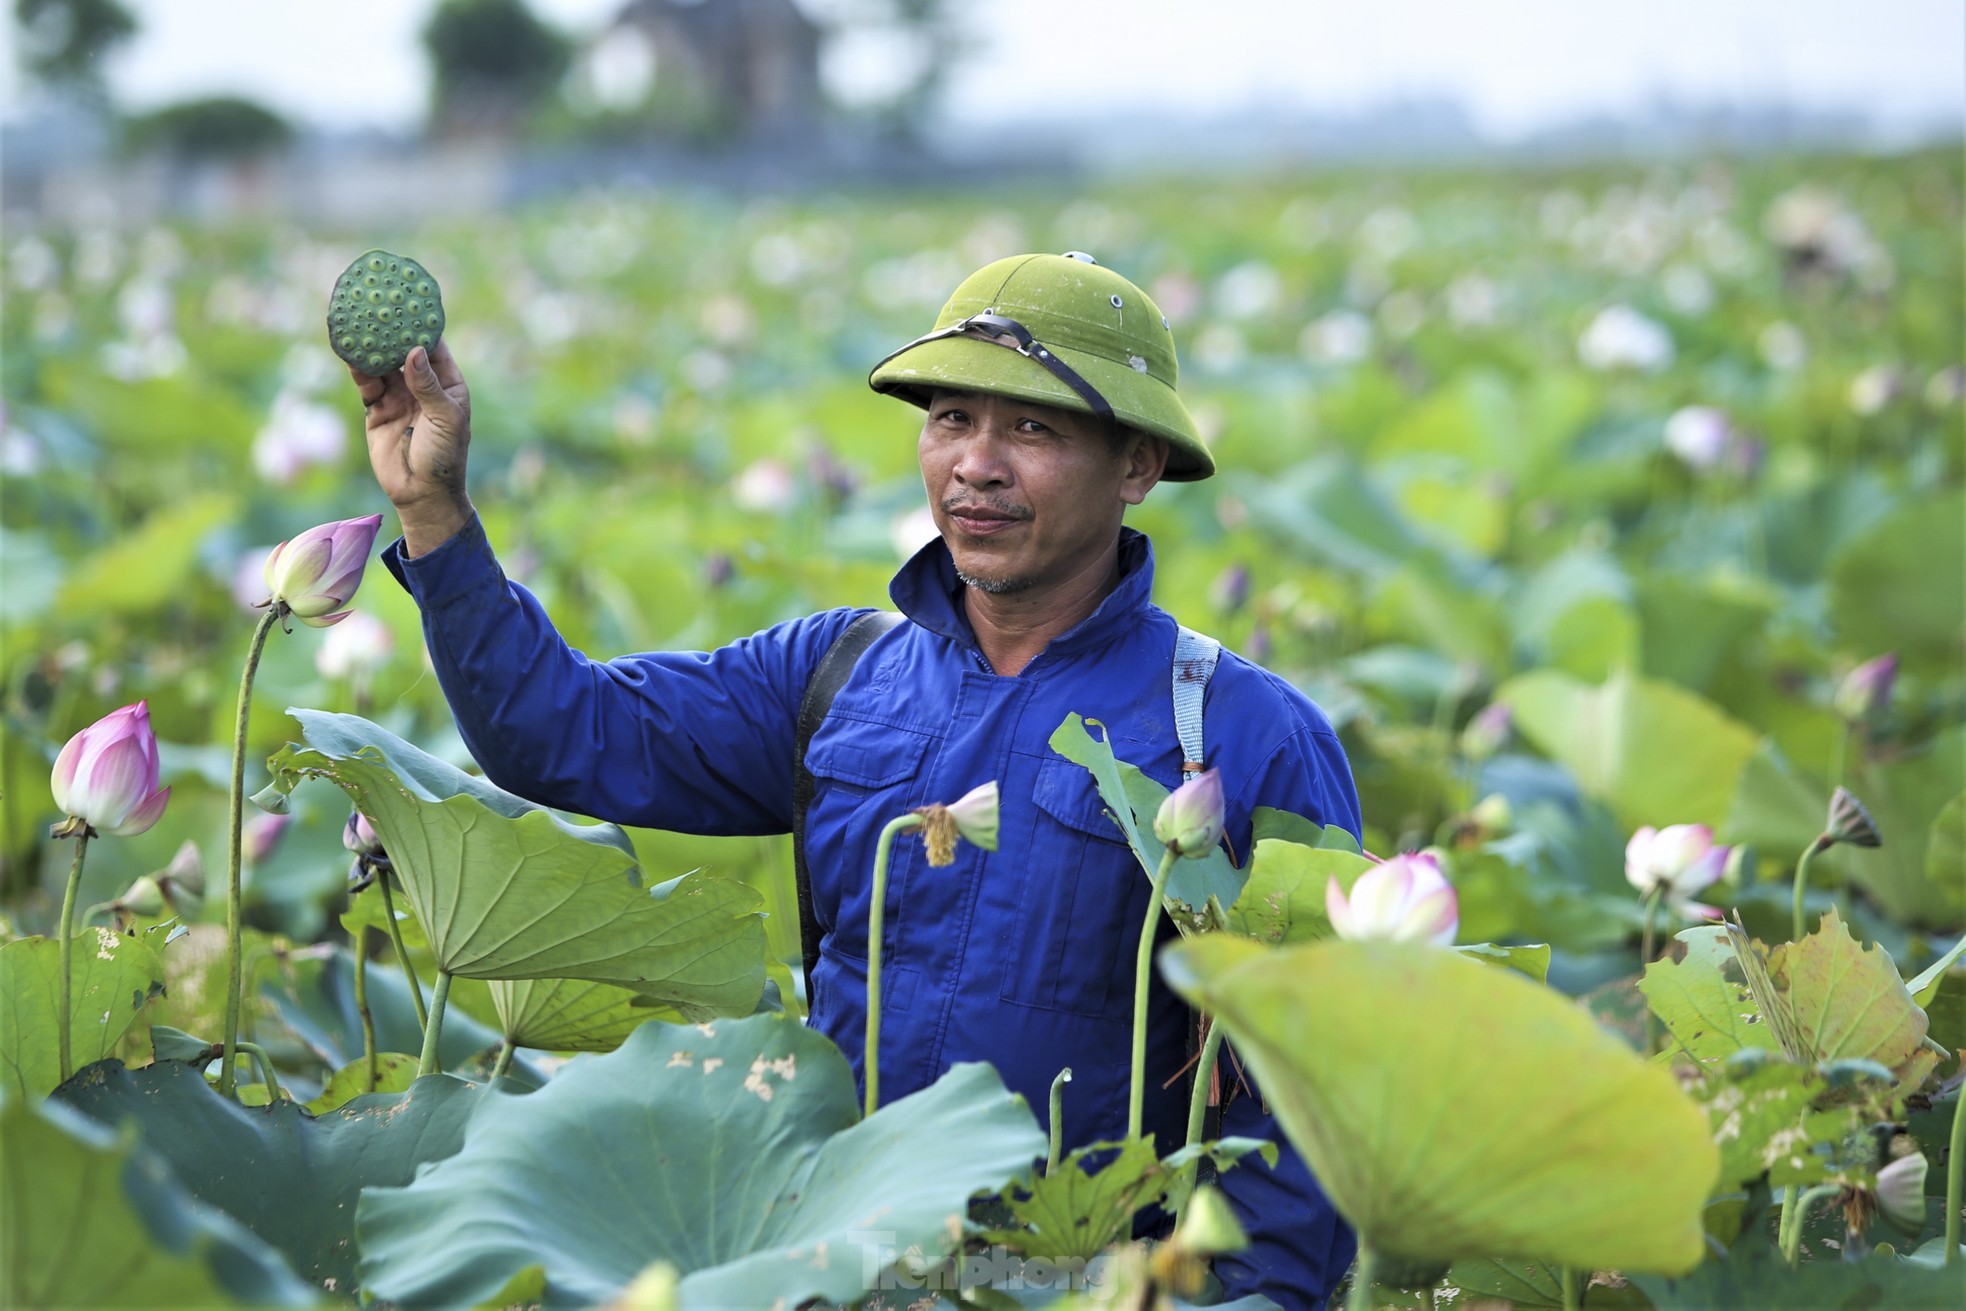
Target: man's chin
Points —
{"points": [[995, 584]]}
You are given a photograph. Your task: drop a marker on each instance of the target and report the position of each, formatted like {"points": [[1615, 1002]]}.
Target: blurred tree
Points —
{"points": [[213, 128], [494, 61], [890, 57], [63, 41]]}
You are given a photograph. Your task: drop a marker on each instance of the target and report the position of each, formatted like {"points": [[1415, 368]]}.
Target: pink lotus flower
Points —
{"points": [[105, 779], [359, 836], [315, 575], [356, 649], [1405, 899], [1190, 820], [1678, 860]]}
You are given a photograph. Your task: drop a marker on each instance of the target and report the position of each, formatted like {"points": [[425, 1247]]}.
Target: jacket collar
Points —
{"points": [[929, 593]]}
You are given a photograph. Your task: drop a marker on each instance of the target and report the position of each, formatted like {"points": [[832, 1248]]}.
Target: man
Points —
{"points": [[1048, 387]]}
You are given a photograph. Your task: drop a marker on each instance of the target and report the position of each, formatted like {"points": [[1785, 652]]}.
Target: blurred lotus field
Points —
{"points": [[1583, 490]]}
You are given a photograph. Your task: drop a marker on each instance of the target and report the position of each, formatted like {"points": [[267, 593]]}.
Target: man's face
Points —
{"points": [[1028, 496]]}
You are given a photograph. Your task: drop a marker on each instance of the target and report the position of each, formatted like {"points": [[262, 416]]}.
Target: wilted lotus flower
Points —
{"points": [[1866, 690], [183, 880], [973, 819], [355, 649], [1405, 899], [1849, 823], [314, 576], [1901, 1192], [105, 779], [1678, 860], [1190, 820], [143, 899]]}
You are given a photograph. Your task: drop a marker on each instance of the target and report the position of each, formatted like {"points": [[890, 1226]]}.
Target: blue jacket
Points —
{"points": [[1022, 957]]}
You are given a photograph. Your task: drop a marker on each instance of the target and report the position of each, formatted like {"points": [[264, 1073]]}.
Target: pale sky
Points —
{"points": [[1516, 64]]}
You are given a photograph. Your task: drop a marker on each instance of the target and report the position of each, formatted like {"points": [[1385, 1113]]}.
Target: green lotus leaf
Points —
{"points": [[1655, 752], [568, 1015], [1077, 1209], [394, 1073], [1283, 901], [111, 978], [290, 1177], [1708, 1013], [88, 1219], [1509, 1157], [732, 1150], [1757, 1119], [1133, 799], [511, 891], [1269, 822], [1530, 961], [1906, 577]]}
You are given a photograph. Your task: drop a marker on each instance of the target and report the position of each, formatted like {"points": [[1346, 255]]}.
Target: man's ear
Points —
{"points": [[1146, 462]]}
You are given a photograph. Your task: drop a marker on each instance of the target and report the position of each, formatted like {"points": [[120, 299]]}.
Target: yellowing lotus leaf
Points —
{"points": [[1455, 1110]]}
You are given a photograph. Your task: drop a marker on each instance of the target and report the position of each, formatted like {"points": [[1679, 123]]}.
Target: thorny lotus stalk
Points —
{"points": [[67, 951], [875, 914], [1143, 971], [434, 1028], [1057, 1144], [402, 953], [1792, 1243], [1211, 1048], [234, 966], [362, 1006]]}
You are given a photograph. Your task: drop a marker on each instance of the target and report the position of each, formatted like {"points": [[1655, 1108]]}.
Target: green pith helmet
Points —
{"points": [[1112, 340]]}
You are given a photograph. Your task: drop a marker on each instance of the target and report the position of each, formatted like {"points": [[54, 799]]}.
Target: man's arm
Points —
{"points": [[418, 419]]}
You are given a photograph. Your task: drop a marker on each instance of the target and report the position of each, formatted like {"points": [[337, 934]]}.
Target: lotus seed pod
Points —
{"points": [[383, 307]]}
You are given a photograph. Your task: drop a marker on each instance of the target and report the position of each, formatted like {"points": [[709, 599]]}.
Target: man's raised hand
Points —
{"points": [[419, 431]]}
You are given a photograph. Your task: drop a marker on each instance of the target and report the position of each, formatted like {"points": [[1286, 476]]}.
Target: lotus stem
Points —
{"points": [[1652, 900], [1822, 843], [402, 952], [362, 1005], [503, 1066], [1955, 1176], [434, 1028], [1792, 1241], [1143, 969], [67, 952], [1057, 1151], [1211, 1048], [235, 849], [265, 1066], [875, 915], [1837, 760], [1363, 1270], [1571, 1302]]}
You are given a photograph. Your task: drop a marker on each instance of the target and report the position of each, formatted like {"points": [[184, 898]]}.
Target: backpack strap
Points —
{"points": [[827, 679], [1195, 655]]}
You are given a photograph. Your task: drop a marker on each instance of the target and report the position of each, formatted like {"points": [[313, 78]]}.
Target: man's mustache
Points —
{"points": [[975, 503]]}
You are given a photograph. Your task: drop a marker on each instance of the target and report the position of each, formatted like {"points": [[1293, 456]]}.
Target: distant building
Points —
{"points": [[734, 69]]}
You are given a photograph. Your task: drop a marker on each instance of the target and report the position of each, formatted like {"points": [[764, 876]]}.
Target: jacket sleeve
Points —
{"points": [[697, 742], [1299, 1246]]}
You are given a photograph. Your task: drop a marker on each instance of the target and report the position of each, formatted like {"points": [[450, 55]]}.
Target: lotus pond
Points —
{"points": [[1614, 517]]}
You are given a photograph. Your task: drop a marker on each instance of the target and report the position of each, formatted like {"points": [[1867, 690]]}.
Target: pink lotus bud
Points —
{"points": [[359, 836], [355, 649], [105, 779], [1679, 860], [1488, 732], [1405, 899], [262, 836], [1190, 820], [315, 575], [1866, 690]]}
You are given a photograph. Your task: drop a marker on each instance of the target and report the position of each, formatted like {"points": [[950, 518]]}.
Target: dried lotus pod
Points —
{"points": [[383, 306]]}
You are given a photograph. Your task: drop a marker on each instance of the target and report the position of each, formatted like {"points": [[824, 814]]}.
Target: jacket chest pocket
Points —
{"points": [[1079, 904], [864, 776]]}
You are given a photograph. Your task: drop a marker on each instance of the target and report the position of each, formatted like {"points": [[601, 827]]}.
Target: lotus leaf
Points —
{"points": [[88, 1219], [1552, 1141], [111, 978], [251, 1163], [732, 1150]]}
